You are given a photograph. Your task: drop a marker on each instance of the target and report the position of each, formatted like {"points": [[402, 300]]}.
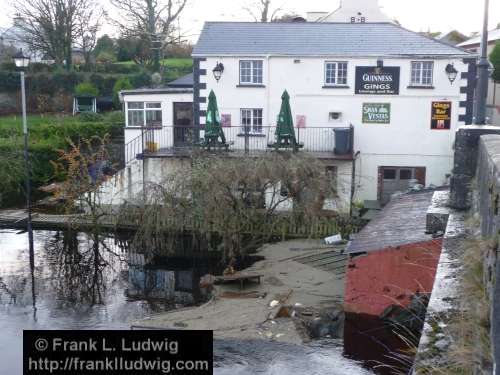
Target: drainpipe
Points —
{"points": [[483, 72], [353, 182], [268, 92]]}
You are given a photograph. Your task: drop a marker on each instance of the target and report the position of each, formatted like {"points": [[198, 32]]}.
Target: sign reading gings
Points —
{"points": [[441, 116], [376, 113], [377, 81]]}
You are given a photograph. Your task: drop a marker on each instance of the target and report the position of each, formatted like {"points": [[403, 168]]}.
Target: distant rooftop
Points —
{"points": [[317, 39], [401, 222], [493, 35]]}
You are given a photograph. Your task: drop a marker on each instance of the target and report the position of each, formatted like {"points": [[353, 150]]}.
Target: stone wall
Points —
{"points": [[487, 204]]}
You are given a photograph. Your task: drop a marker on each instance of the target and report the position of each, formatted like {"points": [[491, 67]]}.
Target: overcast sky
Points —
{"points": [[417, 15]]}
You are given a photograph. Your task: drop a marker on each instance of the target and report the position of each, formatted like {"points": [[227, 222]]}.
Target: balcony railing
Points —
{"points": [[171, 140]]}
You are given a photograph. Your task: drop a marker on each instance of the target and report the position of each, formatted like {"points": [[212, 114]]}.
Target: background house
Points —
{"points": [[351, 11], [474, 45]]}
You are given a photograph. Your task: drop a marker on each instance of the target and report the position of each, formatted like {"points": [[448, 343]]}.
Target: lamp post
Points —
{"points": [[22, 62], [483, 68]]}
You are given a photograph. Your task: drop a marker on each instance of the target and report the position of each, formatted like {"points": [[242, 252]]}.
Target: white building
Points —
{"points": [[474, 45], [391, 85], [352, 11]]}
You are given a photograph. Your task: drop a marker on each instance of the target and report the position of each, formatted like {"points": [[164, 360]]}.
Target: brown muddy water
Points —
{"points": [[81, 286]]}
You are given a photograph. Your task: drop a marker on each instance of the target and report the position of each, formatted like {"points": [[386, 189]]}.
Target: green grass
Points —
{"points": [[15, 121], [177, 63], [48, 134]]}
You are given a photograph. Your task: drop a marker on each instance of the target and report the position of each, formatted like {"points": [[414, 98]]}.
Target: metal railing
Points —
{"points": [[239, 138]]}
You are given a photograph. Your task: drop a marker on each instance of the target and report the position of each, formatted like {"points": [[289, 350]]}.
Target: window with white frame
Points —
{"points": [[422, 73], [336, 73], [251, 120], [251, 72], [144, 114]]}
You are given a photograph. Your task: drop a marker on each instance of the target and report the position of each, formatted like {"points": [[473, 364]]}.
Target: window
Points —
{"points": [[335, 73], [389, 174], [153, 114], [331, 175], [421, 73], [406, 174], [251, 120], [135, 114], [144, 114], [251, 72]]}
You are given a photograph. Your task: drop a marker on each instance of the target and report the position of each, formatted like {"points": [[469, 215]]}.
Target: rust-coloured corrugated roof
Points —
{"points": [[401, 222]]}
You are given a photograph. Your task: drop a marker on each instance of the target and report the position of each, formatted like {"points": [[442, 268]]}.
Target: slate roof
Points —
{"points": [[317, 39], [186, 81], [401, 222]]}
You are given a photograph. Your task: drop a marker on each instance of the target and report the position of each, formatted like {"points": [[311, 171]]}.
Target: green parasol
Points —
{"points": [[284, 130], [213, 128]]}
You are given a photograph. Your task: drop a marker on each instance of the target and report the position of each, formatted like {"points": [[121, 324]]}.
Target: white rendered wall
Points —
{"points": [[167, 108], [407, 141], [360, 10]]}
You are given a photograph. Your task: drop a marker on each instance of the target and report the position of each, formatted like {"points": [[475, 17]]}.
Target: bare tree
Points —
{"points": [[263, 10], [86, 31], [50, 26], [152, 21]]}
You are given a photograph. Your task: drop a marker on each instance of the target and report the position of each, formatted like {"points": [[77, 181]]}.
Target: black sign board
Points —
{"points": [[441, 116], [371, 80]]}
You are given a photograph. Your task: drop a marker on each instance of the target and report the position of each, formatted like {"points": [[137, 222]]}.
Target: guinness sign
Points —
{"points": [[371, 80]]}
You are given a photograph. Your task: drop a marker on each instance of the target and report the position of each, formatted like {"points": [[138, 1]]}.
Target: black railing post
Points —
{"points": [[247, 139]]}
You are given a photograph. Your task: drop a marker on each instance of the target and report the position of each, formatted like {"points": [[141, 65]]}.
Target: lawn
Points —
{"points": [[40, 125], [173, 63], [48, 134]]}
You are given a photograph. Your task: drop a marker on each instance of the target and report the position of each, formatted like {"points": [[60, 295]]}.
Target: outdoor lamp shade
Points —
{"points": [[451, 72], [21, 60], [218, 70]]}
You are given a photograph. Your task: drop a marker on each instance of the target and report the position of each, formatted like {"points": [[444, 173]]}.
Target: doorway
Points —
{"points": [[398, 179], [183, 124]]}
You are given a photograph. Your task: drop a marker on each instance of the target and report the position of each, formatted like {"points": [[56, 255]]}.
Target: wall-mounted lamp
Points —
{"points": [[380, 66], [218, 70], [451, 72]]}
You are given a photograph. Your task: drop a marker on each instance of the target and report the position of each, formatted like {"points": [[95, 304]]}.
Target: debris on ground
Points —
{"points": [[299, 297]]}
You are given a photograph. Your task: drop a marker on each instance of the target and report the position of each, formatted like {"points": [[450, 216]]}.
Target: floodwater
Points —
{"points": [[81, 286]]}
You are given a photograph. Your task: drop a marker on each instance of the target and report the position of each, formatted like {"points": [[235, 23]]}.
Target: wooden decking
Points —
{"points": [[16, 219]]}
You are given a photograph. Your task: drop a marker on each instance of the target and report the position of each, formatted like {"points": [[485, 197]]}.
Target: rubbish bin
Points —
{"points": [[343, 141]]}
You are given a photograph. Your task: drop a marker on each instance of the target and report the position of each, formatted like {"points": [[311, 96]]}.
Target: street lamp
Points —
{"points": [[22, 62], [451, 72], [483, 71]]}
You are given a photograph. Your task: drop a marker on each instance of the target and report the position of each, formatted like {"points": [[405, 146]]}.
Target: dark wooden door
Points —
{"points": [[183, 124]]}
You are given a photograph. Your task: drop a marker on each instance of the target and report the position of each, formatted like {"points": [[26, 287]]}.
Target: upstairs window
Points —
{"points": [[251, 120], [336, 73], [251, 72], [422, 73], [141, 114]]}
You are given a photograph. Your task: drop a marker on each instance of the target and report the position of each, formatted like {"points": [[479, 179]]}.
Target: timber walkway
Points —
{"points": [[16, 219], [320, 228]]}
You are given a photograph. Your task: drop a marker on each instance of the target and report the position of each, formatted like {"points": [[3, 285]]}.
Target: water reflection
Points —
{"points": [[80, 283]]}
